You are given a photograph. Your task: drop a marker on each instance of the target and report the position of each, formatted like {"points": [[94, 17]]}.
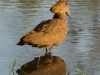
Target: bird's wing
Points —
{"points": [[42, 25], [46, 33]]}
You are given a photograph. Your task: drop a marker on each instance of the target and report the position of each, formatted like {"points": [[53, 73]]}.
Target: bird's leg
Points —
{"points": [[46, 51], [50, 50], [50, 54]]}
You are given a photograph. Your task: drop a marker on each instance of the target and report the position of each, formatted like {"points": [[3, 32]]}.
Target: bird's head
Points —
{"points": [[61, 7]]}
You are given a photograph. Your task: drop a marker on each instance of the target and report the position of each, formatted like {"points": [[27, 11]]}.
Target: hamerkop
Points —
{"points": [[49, 32]]}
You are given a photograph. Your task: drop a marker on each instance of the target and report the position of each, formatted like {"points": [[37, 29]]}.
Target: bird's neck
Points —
{"points": [[60, 16]]}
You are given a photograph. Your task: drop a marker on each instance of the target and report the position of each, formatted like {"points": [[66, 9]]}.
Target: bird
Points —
{"points": [[51, 32]]}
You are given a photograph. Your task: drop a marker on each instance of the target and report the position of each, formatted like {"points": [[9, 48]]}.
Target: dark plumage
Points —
{"points": [[49, 32]]}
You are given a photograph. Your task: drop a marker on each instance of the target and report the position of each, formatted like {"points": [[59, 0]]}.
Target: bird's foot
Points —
{"points": [[49, 53], [52, 57]]}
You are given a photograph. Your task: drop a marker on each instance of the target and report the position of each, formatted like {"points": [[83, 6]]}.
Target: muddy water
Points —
{"points": [[81, 48]]}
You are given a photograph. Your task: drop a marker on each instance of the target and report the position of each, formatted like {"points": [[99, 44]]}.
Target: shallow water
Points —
{"points": [[81, 48]]}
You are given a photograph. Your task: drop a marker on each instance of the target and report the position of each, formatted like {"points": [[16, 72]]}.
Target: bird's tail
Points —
{"points": [[20, 43]]}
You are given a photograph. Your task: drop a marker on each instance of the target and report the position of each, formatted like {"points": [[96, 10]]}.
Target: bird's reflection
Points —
{"points": [[43, 65]]}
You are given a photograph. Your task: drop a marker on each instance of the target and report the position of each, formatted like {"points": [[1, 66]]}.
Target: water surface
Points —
{"points": [[81, 48]]}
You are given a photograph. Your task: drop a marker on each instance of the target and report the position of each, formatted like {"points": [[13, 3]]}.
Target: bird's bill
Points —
{"points": [[68, 13]]}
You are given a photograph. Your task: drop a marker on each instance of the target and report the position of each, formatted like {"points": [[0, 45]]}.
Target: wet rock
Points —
{"points": [[44, 65]]}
